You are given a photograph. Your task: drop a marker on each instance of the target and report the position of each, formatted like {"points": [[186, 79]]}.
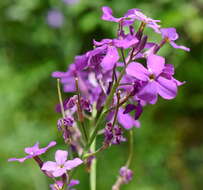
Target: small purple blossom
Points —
{"points": [[59, 184], [171, 35], [113, 134], [155, 83], [61, 165], [138, 15], [33, 151], [55, 18], [126, 174]]}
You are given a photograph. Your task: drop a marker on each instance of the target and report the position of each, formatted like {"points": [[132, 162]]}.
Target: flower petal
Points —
{"points": [[32, 150], [155, 64], [126, 120], [149, 93], [49, 166], [110, 59], [73, 182], [43, 150], [59, 172], [167, 89], [61, 157], [20, 159], [107, 14], [179, 46], [169, 33], [73, 163], [138, 71]]}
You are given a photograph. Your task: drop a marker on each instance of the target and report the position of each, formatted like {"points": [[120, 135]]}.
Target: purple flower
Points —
{"points": [[87, 79], [33, 152], [118, 135], [113, 135], [59, 184], [136, 14], [55, 18], [126, 120], [108, 133], [171, 35], [108, 16], [126, 174], [111, 55], [155, 83], [61, 165]]}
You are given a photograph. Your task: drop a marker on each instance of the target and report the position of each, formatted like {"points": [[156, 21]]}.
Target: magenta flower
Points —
{"points": [[136, 14], [171, 35], [61, 165], [155, 82], [33, 152]]}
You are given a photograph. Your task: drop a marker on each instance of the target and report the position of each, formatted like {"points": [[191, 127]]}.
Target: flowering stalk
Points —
{"points": [[109, 85]]}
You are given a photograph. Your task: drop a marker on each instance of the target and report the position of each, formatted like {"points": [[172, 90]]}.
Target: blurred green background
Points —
{"points": [[168, 146]]}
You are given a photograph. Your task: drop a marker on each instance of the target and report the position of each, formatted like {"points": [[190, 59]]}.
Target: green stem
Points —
{"points": [[96, 152], [131, 149], [93, 168], [60, 98]]}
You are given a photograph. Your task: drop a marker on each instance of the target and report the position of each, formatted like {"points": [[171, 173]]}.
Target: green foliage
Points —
{"points": [[168, 146]]}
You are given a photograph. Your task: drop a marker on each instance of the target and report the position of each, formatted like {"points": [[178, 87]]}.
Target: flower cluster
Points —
{"points": [[112, 83]]}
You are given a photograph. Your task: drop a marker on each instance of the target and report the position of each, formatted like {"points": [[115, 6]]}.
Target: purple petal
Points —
{"points": [[168, 71], [58, 183], [178, 83], [167, 89], [103, 42], [70, 164], [126, 42], [129, 108], [169, 33], [138, 71], [179, 46], [58, 74], [32, 150], [110, 59], [61, 157], [73, 182], [107, 14], [81, 61], [49, 166], [20, 159], [59, 172], [139, 111], [126, 120], [149, 93], [43, 150], [155, 64]]}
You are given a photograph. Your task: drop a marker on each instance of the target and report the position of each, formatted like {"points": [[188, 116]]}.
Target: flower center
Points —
{"points": [[61, 166], [152, 77]]}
